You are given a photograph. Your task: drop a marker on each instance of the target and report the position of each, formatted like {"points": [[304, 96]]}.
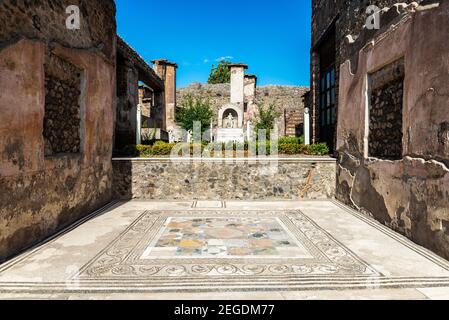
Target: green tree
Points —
{"points": [[220, 74], [195, 108], [266, 118]]}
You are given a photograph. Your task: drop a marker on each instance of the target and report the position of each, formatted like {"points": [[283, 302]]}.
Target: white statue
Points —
{"points": [[230, 121], [189, 136]]}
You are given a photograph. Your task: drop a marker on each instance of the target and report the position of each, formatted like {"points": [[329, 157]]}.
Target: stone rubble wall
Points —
{"points": [[43, 192], [161, 179], [62, 107], [348, 18], [287, 99], [385, 122], [410, 194]]}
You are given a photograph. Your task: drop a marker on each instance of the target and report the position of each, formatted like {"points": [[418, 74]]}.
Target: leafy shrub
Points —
{"points": [[266, 118], [289, 148], [319, 149], [195, 108], [263, 144], [161, 148]]}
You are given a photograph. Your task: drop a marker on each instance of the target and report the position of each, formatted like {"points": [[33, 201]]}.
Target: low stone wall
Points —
{"points": [[214, 179]]}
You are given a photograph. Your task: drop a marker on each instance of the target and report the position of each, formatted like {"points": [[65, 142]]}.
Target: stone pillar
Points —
{"points": [[139, 124], [238, 83], [166, 70], [306, 126], [249, 131], [250, 87], [127, 100], [314, 95]]}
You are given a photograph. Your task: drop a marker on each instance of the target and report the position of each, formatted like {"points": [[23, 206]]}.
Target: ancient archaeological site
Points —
{"points": [[118, 183]]}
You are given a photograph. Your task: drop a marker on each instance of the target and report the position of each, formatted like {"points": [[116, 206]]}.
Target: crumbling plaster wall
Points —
{"points": [[348, 18], [40, 195], [410, 195]]}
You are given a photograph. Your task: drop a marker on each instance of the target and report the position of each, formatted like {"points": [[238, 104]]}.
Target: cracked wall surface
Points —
{"points": [[333, 21], [42, 192], [411, 194]]}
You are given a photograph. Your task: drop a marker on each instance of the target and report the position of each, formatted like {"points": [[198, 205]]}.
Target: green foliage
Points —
{"points": [[161, 148], [287, 146], [287, 140], [319, 149], [220, 74], [266, 118], [195, 108], [263, 145]]}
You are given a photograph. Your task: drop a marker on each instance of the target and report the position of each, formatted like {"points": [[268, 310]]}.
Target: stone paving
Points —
{"points": [[226, 250]]}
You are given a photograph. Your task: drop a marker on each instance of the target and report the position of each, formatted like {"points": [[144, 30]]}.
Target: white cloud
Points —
{"points": [[205, 60], [224, 58]]}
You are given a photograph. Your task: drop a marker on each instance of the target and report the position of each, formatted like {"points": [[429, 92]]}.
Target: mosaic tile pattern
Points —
{"points": [[201, 237], [203, 246]]}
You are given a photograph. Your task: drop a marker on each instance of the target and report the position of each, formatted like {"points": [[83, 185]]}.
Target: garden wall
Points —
{"points": [[215, 179]]}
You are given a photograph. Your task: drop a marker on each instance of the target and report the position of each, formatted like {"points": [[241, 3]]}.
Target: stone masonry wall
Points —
{"points": [[62, 106], [385, 122], [54, 83], [162, 179], [348, 17], [409, 194], [287, 99]]}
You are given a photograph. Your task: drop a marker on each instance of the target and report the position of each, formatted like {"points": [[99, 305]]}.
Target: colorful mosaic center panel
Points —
{"points": [[203, 245], [225, 237]]}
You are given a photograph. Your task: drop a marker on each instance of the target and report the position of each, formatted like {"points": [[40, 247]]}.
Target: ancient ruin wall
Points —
{"points": [[56, 101], [386, 88], [409, 194], [348, 18], [164, 179], [62, 117], [287, 99]]}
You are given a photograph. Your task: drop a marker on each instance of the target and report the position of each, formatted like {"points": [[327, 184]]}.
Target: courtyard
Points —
{"points": [[226, 250], [172, 158]]}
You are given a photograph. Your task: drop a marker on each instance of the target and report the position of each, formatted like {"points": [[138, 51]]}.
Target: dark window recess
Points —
{"points": [[327, 108], [385, 112], [62, 106]]}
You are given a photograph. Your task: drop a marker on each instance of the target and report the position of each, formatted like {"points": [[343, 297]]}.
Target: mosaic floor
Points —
{"points": [[232, 243], [279, 248], [224, 237]]}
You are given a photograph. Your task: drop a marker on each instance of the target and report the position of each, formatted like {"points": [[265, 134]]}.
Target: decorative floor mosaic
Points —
{"points": [[216, 247], [225, 237], [206, 245]]}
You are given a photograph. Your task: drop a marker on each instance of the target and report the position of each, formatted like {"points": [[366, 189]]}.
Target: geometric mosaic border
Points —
{"points": [[121, 259], [284, 278]]}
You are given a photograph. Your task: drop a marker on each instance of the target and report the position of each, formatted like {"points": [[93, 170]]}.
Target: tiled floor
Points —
{"points": [[227, 250]]}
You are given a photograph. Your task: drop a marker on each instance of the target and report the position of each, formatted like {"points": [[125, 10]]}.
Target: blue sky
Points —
{"points": [[272, 37]]}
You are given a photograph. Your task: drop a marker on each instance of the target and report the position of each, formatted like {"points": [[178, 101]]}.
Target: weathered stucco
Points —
{"points": [[215, 179], [41, 194], [411, 195]]}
